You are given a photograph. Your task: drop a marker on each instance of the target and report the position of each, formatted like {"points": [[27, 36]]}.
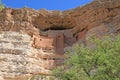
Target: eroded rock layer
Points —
{"points": [[34, 42]]}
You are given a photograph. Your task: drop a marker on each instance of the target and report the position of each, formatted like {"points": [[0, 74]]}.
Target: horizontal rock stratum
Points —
{"points": [[34, 41]]}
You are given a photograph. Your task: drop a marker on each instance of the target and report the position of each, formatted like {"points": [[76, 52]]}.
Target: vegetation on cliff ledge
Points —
{"points": [[99, 63], [2, 6]]}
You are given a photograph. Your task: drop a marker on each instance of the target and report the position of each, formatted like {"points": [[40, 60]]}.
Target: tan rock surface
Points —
{"points": [[34, 42]]}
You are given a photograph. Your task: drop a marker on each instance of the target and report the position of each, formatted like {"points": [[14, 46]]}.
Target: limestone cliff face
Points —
{"points": [[34, 42]]}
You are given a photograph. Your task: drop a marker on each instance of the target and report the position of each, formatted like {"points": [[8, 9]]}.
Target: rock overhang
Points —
{"points": [[55, 21]]}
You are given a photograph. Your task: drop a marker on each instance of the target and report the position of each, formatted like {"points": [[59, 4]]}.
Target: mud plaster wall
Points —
{"points": [[43, 42], [60, 44], [57, 43]]}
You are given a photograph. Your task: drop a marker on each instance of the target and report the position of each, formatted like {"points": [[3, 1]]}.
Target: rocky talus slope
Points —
{"points": [[34, 41]]}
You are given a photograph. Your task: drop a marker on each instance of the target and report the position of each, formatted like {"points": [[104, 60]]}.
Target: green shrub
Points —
{"points": [[2, 6], [99, 63]]}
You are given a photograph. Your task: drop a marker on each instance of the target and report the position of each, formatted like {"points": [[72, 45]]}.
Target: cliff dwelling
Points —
{"points": [[35, 41], [53, 42]]}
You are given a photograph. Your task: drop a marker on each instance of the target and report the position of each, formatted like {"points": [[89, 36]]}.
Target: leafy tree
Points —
{"points": [[2, 6], [99, 63]]}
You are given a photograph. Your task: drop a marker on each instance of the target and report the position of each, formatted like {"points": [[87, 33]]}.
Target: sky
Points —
{"points": [[46, 4]]}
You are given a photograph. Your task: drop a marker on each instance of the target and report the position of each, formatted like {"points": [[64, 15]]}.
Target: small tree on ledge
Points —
{"points": [[1, 5]]}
